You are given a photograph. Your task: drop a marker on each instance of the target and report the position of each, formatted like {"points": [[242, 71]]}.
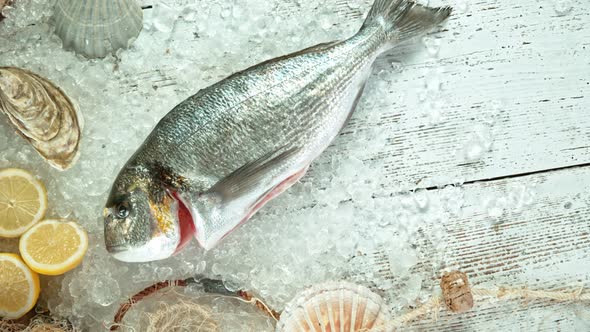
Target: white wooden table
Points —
{"points": [[534, 67], [514, 80]]}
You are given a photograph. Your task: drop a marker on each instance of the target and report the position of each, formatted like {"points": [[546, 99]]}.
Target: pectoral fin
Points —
{"points": [[245, 178]]}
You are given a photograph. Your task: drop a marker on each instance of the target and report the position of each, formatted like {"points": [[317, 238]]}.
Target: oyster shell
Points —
{"points": [[42, 114], [96, 28], [4, 3], [334, 307]]}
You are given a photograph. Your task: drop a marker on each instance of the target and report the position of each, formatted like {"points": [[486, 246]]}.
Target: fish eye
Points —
{"points": [[123, 210]]}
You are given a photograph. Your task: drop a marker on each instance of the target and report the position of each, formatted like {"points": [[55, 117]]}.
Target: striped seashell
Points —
{"points": [[335, 307], [96, 28], [42, 114]]}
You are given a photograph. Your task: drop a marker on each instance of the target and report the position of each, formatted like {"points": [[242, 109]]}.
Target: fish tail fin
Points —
{"points": [[404, 19]]}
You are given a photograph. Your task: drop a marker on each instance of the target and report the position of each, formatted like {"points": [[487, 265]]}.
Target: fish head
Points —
{"points": [[141, 225]]}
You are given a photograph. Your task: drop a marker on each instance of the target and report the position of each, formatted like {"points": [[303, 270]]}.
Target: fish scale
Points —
{"points": [[282, 130], [232, 147], [275, 94]]}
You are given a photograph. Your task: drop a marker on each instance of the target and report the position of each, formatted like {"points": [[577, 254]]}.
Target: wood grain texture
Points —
{"points": [[542, 243], [545, 246], [518, 60]]}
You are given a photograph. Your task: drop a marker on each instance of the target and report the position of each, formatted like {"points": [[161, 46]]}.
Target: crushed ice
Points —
{"points": [[339, 215]]}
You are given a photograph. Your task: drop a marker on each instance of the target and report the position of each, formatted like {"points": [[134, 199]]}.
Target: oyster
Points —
{"points": [[42, 114], [335, 306], [4, 3], [96, 28]]}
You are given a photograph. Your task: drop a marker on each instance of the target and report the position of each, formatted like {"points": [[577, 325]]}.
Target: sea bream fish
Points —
{"points": [[221, 154]]}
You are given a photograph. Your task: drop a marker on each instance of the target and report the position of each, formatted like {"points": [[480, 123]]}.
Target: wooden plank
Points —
{"points": [[540, 241], [517, 61]]}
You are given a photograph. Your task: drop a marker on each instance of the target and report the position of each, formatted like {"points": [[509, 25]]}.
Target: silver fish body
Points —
{"points": [[223, 153]]}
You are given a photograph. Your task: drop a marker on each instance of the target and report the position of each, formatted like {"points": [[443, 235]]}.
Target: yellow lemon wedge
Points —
{"points": [[23, 201], [19, 287], [53, 247]]}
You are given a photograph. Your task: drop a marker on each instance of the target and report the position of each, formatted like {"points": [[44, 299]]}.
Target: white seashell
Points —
{"points": [[42, 114], [335, 307], [96, 28]]}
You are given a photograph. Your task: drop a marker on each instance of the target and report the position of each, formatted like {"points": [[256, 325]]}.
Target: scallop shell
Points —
{"points": [[42, 114], [96, 28], [334, 307]]}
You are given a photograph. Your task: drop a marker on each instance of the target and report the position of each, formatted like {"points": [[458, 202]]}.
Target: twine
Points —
{"points": [[248, 298], [183, 316], [8, 326], [243, 296], [125, 307], [502, 293], [509, 293], [39, 323]]}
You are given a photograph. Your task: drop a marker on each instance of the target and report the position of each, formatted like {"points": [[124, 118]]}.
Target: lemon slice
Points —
{"points": [[23, 201], [53, 247], [19, 287]]}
